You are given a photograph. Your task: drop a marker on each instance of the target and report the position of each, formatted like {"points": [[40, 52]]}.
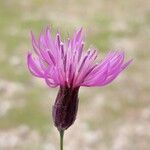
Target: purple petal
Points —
{"points": [[33, 67]]}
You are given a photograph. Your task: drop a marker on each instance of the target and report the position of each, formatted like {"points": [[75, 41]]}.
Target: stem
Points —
{"points": [[61, 139]]}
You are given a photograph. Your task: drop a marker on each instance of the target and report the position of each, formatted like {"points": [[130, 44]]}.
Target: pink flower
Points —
{"points": [[65, 64]]}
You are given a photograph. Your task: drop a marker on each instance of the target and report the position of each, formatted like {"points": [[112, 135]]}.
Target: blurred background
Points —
{"points": [[115, 117]]}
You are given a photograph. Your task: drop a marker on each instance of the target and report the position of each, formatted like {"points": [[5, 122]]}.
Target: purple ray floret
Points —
{"points": [[65, 64]]}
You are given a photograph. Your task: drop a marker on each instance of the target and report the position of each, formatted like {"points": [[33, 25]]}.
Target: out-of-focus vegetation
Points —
{"points": [[115, 117]]}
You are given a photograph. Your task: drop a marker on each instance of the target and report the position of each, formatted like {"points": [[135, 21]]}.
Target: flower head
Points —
{"points": [[65, 64]]}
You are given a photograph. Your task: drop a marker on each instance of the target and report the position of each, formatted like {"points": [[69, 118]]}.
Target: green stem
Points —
{"points": [[61, 139]]}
